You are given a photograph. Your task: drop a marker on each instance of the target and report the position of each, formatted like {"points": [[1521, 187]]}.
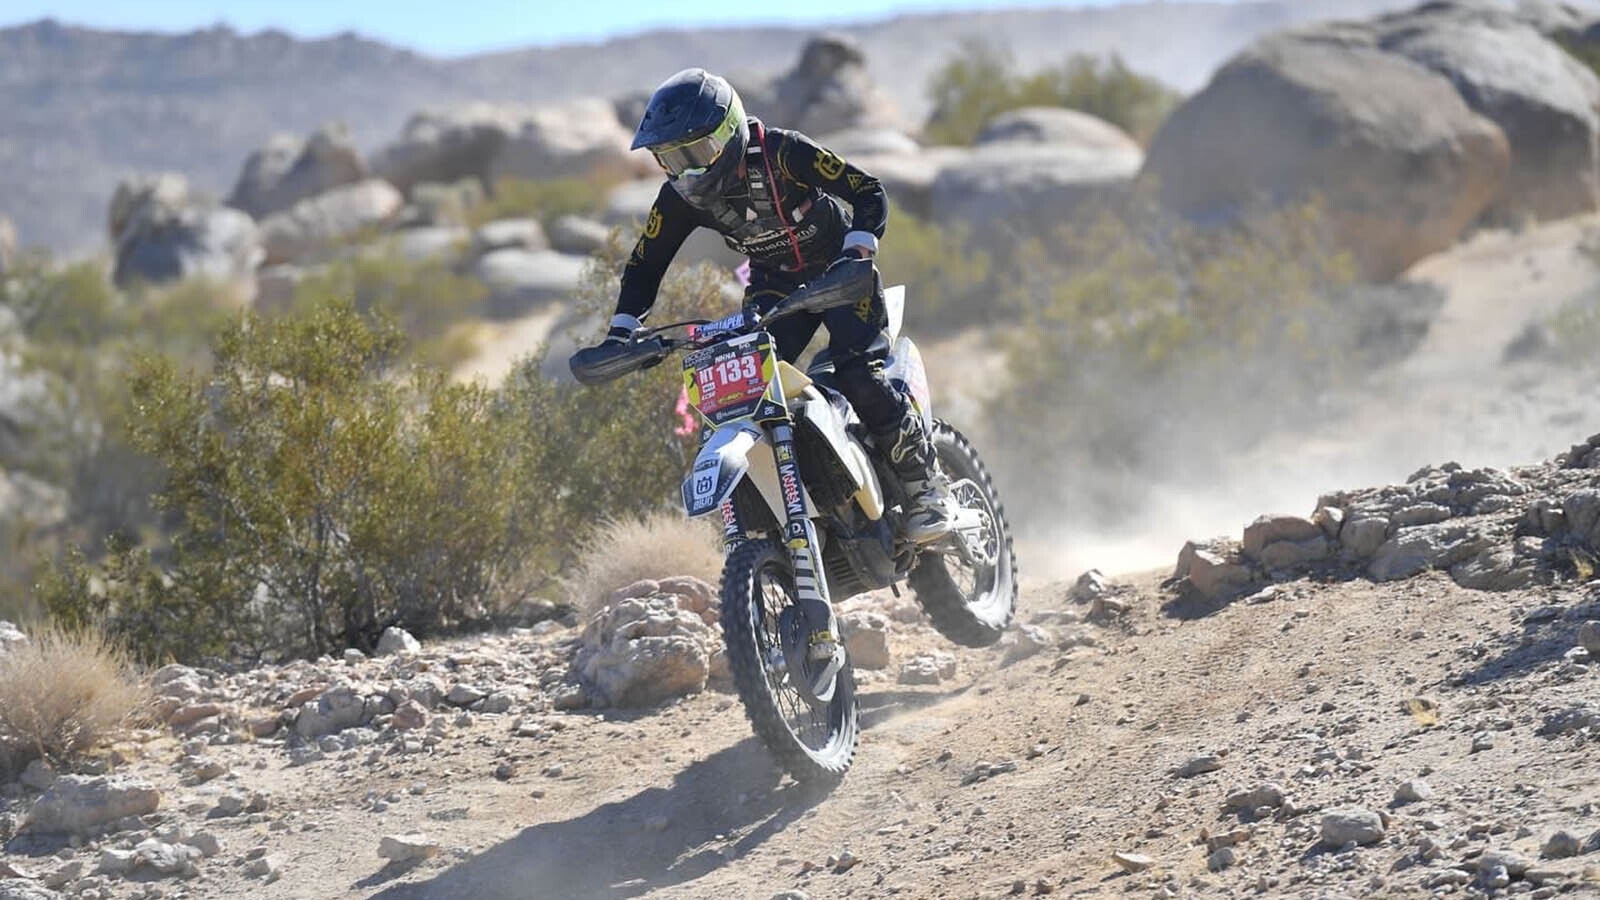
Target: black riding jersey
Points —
{"points": [[796, 226]]}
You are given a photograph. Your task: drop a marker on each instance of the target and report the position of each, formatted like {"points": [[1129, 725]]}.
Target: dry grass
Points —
{"points": [[655, 546], [62, 694]]}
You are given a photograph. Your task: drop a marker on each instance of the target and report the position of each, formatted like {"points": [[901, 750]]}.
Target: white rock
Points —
{"points": [[77, 803], [402, 848], [397, 640], [1344, 826]]}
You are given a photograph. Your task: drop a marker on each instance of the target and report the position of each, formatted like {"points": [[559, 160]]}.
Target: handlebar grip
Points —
{"points": [[608, 362]]}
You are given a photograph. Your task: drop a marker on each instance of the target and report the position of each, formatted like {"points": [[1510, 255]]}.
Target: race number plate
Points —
{"points": [[727, 381]]}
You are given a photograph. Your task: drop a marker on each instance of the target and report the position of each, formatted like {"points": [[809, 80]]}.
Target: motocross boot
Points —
{"points": [[929, 508]]}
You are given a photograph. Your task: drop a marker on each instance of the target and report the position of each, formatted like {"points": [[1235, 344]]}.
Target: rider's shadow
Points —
{"points": [[655, 838]]}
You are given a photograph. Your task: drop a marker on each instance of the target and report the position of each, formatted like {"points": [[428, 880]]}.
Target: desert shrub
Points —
{"points": [[545, 200], [946, 278], [320, 488], [978, 83], [655, 545], [75, 335], [1150, 347], [322, 492], [63, 693], [426, 299]]}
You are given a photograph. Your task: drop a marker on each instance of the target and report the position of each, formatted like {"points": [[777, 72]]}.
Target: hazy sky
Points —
{"points": [[455, 28]]}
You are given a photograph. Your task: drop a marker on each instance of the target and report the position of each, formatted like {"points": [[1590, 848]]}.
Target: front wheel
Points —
{"points": [[967, 582], [814, 743]]}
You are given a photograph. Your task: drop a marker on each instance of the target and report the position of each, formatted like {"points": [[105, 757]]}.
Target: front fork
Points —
{"points": [[821, 638]]}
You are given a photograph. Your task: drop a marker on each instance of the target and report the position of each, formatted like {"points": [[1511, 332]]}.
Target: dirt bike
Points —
{"points": [[810, 513]]}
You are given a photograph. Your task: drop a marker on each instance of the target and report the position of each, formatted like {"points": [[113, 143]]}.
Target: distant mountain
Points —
{"points": [[84, 108]]}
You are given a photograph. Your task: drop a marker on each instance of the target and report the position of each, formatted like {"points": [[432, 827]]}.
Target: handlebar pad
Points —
{"points": [[846, 282], [608, 362]]}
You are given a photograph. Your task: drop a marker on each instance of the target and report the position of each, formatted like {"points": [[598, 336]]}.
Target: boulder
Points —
{"points": [[1581, 509], [828, 90], [8, 244], [1403, 166], [1347, 826], [1361, 537], [446, 146], [1212, 572], [642, 651], [312, 228], [335, 709], [1270, 529], [577, 235], [520, 280], [1059, 127], [1007, 191], [1414, 550], [1495, 569], [79, 803], [866, 638], [578, 139], [288, 170], [909, 177], [524, 234], [395, 640], [161, 233], [853, 143], [430, 242], [1544, 100]]}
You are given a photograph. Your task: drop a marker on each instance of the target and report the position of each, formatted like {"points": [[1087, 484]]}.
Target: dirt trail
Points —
{"points": [[1031, 774]]}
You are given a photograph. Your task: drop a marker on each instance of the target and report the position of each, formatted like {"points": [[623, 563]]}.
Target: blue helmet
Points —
{"points": [[695, 126]]}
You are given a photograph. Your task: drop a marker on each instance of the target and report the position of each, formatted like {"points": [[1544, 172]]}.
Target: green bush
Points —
{"points": [[426, 299], [978, 84], [321, 489], [76, 335]]}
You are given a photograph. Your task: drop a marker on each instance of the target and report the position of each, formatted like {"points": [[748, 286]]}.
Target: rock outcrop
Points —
{"points": [[1402, 165], [289, 169], [1412, 127], [828, 90], [8, 244], [1489, 529], [161, 233], [312, 228]]}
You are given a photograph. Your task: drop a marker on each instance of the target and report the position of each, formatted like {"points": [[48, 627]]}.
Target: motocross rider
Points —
{"points": [[774, 196]]}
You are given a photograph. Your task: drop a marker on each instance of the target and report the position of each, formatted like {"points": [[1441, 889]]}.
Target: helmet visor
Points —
{"points": [[696, 154]]}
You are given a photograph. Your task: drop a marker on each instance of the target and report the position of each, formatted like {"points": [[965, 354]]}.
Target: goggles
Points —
{"points": [[695, 155]]}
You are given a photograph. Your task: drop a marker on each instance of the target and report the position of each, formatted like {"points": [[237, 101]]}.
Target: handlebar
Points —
{"points": [[844, 283]]}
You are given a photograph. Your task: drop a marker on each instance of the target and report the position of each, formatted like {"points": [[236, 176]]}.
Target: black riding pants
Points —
{"points": [[852, 333]]}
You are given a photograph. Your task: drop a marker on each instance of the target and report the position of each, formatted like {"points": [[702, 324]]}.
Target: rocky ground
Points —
{"points": [[1325, 728]]}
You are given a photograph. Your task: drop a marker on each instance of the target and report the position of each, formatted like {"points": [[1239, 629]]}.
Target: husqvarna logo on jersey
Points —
{"points": [[829, 165]]}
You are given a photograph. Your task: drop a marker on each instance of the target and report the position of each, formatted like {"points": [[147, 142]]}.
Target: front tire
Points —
{"points": [[813, 744], [970, 593]]}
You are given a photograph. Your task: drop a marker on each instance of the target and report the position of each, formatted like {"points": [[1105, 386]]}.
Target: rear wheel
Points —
{"points": [[967, 582], [813, 742]]}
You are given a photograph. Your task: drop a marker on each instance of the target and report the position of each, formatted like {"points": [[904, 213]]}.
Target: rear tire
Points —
{"points": [[969, 604], [813, 745]]}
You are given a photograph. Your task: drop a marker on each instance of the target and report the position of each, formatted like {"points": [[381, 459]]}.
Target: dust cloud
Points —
{"points": [[1454, 397]]}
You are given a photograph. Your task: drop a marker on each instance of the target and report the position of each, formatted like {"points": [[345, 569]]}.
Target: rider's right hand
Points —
{"points": [[622, 328]]}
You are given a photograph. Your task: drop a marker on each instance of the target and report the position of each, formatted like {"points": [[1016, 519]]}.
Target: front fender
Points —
{"points": [[723, 460]]}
